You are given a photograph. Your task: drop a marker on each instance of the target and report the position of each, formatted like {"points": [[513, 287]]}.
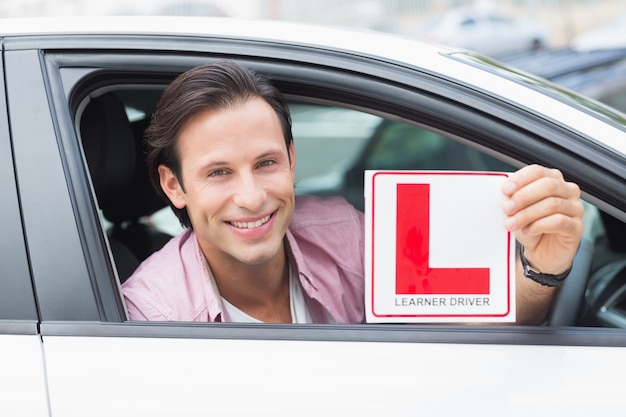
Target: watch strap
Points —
{"points": [[547, 280]]}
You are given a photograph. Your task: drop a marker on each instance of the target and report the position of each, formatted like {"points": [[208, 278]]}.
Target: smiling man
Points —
{"points": [[220, 150]]}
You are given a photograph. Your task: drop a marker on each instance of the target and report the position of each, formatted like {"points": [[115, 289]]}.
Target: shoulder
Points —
{"points": [[330, 226], [173, 256], [326, 240], [169, 284], [311, 210]]}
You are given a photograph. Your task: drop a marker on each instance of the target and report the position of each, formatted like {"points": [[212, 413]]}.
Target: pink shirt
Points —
{"points": [[325, 244]]}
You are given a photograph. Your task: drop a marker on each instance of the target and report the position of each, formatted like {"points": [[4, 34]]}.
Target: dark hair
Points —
{"points": [[214, 86]]}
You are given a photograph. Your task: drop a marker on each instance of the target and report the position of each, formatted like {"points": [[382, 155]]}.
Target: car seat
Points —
{"points": [[114, 153]]}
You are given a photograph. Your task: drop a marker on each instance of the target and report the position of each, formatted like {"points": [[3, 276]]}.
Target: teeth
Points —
{"points": [[251, 225]]}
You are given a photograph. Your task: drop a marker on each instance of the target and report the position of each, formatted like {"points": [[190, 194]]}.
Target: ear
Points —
{"points": [[171, 187], [292, 157]]}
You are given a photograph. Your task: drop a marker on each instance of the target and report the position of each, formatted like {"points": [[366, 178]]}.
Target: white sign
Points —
{"points": [[436, 249]]}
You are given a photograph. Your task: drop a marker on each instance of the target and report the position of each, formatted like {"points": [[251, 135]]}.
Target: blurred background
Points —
{"points": [[578, 44], [527, 23]]}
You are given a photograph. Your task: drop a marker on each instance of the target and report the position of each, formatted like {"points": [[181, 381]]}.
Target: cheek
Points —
{"points": [[283, 184], [207, 202]]}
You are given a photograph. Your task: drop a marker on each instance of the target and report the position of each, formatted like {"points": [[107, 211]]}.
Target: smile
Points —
{"points": [[251, 225]]}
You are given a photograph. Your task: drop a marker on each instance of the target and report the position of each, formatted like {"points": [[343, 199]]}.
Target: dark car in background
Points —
{"points": [[596, 73]]}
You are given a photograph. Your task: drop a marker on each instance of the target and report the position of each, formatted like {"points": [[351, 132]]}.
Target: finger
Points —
{"points": [[556, 223], [547, 215], [528, 175], [558, 235], [539, 190]]}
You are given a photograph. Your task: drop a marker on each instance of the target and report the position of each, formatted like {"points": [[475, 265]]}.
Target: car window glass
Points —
{"points": [[377, 144], [327, 137], [383, 145], [400, 146]]}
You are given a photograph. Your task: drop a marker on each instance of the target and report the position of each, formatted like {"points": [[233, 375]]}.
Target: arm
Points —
{"points": [[533, 299], [545, 213]]}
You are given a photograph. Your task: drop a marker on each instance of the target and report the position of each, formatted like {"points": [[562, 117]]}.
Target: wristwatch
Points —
{"points": [[547, 280]]}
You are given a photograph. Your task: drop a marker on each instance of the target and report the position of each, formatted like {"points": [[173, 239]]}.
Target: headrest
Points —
{"points": [[140, 199], [109, 147], [114, 152]]}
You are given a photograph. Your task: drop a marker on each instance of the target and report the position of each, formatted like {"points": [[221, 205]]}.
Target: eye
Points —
{"points": [[217, 173], [266, 163]]}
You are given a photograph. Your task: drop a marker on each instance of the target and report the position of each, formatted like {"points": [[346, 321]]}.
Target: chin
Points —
{"points": [[258, 258]]}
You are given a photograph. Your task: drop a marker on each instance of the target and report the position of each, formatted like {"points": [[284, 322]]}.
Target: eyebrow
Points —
{"points": [[269, 153], [219, 163]]}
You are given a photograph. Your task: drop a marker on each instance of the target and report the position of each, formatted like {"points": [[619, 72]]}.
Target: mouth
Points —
{"points": [[251, 225]]}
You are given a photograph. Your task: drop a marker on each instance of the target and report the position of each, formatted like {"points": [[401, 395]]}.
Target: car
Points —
{"points": [[190, 8], [482, 29], [78, 217]]}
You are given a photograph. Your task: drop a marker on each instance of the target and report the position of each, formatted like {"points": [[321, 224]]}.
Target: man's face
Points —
{"points": [[238, 177]]}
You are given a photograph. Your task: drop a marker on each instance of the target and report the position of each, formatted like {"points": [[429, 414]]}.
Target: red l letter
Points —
{"points": [[413, 273]]}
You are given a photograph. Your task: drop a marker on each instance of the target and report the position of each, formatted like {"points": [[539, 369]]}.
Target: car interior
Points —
{"points": [[114, 152], [137, 222]]}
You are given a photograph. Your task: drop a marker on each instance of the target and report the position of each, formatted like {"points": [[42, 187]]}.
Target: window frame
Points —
{"points": [[383, 89], [18, 307]]}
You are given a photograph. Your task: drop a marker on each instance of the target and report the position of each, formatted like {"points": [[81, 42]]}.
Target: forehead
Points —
{"points": [[250, 124]]}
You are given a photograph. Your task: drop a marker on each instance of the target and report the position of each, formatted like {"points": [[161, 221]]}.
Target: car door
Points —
{"points": [[22, 382], [98, 363]]}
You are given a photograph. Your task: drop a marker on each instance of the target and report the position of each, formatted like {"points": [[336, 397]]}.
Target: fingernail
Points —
{"points": [[508, 206], [509, 223], [508, 187]]}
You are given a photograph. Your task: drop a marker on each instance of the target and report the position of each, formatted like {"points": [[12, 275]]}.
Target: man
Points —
{"points": [[220, 150]]}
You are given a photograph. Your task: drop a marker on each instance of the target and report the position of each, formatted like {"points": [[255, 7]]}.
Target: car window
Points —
{"points": [[382, 144], [399, 146], [334, 145], [327, 137]]}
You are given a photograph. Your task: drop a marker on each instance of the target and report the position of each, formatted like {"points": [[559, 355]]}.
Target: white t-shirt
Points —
{"points": [[299, 311]]}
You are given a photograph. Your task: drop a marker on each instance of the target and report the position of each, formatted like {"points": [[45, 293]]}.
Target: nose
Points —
{"points": [[249, 192]]}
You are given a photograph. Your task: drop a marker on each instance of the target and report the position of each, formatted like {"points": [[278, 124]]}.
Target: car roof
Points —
{"points": [[365, 42], [480, 73], [279, 31]]}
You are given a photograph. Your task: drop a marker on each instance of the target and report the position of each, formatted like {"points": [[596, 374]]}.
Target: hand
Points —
{"points": [[545, 213]]}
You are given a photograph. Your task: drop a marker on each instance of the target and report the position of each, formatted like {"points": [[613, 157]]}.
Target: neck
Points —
{"points": [[261, 291]]}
